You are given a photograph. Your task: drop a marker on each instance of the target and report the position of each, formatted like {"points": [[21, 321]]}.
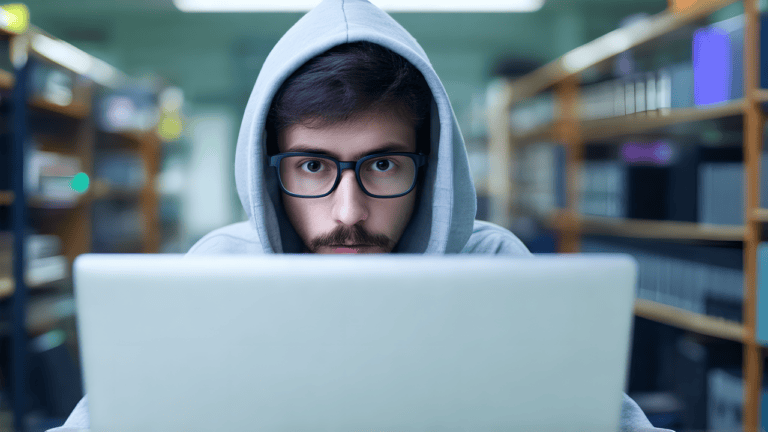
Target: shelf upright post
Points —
{"points": [[753, 140], [19, 372], [150, 153], [500, 178], [568, 135]]}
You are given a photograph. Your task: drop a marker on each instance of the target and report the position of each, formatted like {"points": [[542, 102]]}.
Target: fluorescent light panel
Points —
{"points": [[387, 5], [78, 61]]}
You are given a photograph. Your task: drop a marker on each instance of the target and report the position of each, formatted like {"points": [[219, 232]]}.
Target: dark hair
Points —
{"points": [[349, 80]]}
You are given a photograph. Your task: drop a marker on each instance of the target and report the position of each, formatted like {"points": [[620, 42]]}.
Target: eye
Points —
{"points": [[312, 166], [383, 165]]}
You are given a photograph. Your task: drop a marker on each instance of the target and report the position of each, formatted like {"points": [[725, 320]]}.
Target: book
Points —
{"points": [[124, 170], [36, 246], [725, 400], [48, 177], [761, 327], [701, 279], [660, 176], [721, 188], [718, 52], [56, 380]]}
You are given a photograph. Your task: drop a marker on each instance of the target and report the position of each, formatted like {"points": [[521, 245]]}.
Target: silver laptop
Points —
{"points": [[354, 343]]}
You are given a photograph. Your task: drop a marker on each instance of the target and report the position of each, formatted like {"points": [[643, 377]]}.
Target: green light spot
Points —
{"points": [[80, 182]]}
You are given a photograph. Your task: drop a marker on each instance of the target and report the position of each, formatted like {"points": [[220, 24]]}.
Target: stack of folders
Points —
{"points": [[721, 191], [53, 83], [540, 178], [649, 180], [602, 188], [532, 113], [117, 226], [44, 262], [701, 279], [669, 87], [693, 186], [762, 293], [718, 52], [725, 399], [714, 75], [49, 176], [129, 109], [121, 169]]}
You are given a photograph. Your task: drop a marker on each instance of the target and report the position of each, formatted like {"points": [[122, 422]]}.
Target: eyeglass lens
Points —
{"points": [[311, 175]]}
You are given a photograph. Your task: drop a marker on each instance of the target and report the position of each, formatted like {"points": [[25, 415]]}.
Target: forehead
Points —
{"points": [[367, 133]]}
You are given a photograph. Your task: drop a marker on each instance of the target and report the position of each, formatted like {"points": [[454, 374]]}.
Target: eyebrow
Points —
{"points": [[384, 148]]}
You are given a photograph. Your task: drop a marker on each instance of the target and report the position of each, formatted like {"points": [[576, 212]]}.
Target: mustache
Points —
{"points": [[355, 234]]}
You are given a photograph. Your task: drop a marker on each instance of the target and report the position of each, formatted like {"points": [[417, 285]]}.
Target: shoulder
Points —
{"points": [[489, 238], [239, 238], [78, 420]]}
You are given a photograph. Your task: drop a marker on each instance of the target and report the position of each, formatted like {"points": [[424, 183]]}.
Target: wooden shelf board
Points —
{"points": [[6, 198], [608, 46], [102, 189], [7, 286], [118, 194], [7, 79], [45, 314], [654, 229], [662, 229], [683, 319], [75, 110], [544, 132], [760, 215], [124, 139], [761, 95], [635, 123], [50, 204]]}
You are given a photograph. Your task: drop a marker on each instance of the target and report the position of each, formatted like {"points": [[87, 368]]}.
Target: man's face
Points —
{"points": [[348, 220]]}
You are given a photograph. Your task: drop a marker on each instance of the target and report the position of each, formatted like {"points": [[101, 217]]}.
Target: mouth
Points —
{"points": [[348, 248]]}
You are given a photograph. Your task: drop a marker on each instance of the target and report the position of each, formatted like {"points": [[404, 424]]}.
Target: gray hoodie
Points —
{"points": [[444, 218]]}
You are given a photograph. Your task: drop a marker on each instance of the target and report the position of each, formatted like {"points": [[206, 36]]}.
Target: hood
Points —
{"points": [[443, 219]]}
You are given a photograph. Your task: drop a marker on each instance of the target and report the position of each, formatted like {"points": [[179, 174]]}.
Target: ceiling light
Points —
{"points": [[387, 5], [76, 60]]}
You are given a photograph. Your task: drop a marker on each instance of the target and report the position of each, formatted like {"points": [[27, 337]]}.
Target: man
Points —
{"points": [[349, 144]]}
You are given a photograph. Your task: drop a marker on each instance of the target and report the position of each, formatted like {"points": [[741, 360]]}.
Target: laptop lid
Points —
{"points": [[357, 343]]}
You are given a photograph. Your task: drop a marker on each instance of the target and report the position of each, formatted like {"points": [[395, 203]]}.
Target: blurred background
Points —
{"points": [[630, 126]]}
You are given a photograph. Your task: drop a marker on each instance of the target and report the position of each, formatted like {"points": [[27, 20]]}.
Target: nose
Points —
{"points": [[349, 200]]}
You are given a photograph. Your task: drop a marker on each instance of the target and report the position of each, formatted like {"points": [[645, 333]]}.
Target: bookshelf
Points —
{"points": [[574, 134], [605, 48], [148, 146], [64, 123], [648, 229]]}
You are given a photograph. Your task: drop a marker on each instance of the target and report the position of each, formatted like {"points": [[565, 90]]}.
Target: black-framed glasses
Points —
{"points": [[380, 175]]}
